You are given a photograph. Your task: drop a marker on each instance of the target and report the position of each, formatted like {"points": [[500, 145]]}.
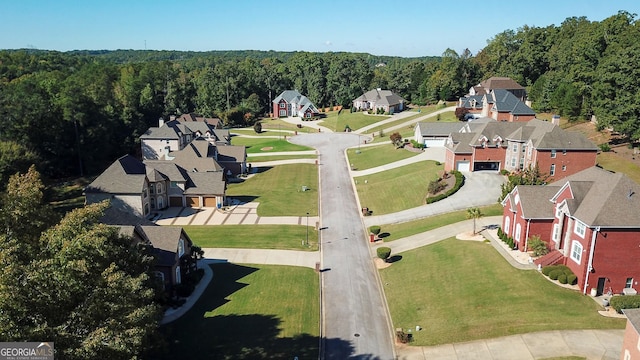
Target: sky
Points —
{"points": [[406, 28]]}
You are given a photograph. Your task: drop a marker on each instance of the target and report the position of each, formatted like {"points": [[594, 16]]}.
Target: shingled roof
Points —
{"points": [[381, 97], [125, 176]]}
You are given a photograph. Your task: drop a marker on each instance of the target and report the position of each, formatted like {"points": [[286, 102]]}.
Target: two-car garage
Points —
{"points": [[463, 165], [194, 201]]}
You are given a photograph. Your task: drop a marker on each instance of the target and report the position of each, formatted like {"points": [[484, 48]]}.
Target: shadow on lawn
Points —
{"points": [[250, 336]]}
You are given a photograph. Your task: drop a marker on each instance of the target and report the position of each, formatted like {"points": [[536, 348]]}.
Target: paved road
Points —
{"points": [[355, 318]]}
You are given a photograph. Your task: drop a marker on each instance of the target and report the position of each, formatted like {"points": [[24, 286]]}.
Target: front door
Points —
{"points": [[601, 282]]}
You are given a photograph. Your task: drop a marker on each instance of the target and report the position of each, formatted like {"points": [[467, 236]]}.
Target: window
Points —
{"points": [[159, 188], [178, 275], [513, 161], [576, 251], [145, 192], [553, 154], [629, 283], [564, 152], [530, 148], [283, 112], [552, 171], [180, 248], [580, 228], [517, 236], [564, 167], [282, 105], [521, 163], [556, 232], [159, 275], [174, 184], [627, 354], [160, 202], [152, 188], [558, 212], [515, 148], [507, 220], [153, 203]]}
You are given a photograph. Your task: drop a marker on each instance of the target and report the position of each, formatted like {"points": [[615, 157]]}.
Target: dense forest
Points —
{"points": [[72, 113]]}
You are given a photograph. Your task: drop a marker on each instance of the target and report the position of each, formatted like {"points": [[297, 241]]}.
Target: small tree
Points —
{"points": [[538, 246], [375, 229], [396, 139], [474, 213], [257, 127], [384, 253]]}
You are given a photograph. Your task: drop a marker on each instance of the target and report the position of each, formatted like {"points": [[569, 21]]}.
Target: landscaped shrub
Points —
{"points": [[500, 233], [383, 252], [547, 269], [625, 302], [572, 279], [403, 337], [456, 187], [538, 246], [605, 147], [553, 275], [435, 186], [375, 229], [417, 145], [562, 278], [504, 172]]}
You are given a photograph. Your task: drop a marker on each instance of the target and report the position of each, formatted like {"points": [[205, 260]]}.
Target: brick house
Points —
{"points": [[292, 103], [499, 98], [485, 144], [590, 221], [499, 83]]}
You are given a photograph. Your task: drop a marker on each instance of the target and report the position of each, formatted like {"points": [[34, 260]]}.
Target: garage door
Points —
{"points": [[175, 201], [462, 165], [209, 201], [193, 201], [434, 142], [486, 165]]}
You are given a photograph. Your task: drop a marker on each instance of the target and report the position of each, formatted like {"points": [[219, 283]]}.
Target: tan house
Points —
{"points": [[379, 99]]}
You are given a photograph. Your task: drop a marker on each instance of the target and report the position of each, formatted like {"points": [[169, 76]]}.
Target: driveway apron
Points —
{"points": [[355, 316]]}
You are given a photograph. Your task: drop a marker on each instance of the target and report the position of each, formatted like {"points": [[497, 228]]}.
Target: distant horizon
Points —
{"points": [[408, 29]]}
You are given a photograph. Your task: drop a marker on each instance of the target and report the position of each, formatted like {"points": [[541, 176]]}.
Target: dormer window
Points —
{"points": [[553, 154]]}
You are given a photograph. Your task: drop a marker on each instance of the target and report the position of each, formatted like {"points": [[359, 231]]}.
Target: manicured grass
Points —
{"points": [[355, 120], [370, 157], [612, 162], [464, 290], [397, 189], [250, 312], [257, 159], [405, 133], [277, 124], [259, 145], [264, 133], [278, 190], [282, 237], [398, 231]]}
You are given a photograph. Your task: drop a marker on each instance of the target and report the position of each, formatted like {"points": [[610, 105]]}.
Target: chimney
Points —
{"points": [[555, 120], [172, 117], [160, 122]]}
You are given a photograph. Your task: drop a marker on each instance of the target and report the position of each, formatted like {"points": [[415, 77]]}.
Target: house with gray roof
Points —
{"points": [[486, 144], [142, 187], [499, 98], [292, 103], [590, 222], [379, 99], [435, 134], [499, 83]]}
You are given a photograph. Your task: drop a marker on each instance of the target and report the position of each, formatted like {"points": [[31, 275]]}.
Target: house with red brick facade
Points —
{"points": [[499, 98], [499, 83], [292, 103], [591, 223], [485, 144]]}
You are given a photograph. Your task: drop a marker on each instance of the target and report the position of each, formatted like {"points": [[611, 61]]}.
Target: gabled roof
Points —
{"points": [[505, 101], [467, 102], [199, 155], [206, 183], [602, 198], [497, 82], [439, 128], [560, 139], [168, 169], [232, 153], [174, 129], [381, 97], [165, 242], [192, 117], [125, 176], [534, 200], [291, 96], [461, 143]]}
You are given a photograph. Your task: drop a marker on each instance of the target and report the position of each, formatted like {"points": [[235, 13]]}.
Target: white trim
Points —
{"points": [[580, 228], [576, 251], [178, 275]]}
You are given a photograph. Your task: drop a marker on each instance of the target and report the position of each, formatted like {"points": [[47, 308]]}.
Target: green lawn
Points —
{"points": [[398, 231], [370, 157], [277, 124], [282, 237], [397, 189], [612, 162], [250, 312], [266, 145], [278, 190], [355, 120], [255, 160], [464, 290]]}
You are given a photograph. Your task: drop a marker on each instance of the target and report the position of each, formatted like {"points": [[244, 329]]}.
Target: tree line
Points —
{"points": [[74, 112]]}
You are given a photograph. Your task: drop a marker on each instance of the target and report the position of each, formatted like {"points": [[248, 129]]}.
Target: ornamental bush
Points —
{"points": [[553, 275], [383, 252], [562, 278], [375, 229], [625, 302], [572, 279], [538, 246]]}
